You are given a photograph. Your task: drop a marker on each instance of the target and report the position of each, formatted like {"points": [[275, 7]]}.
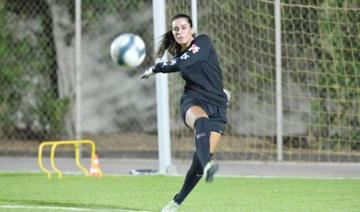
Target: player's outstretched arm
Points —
{"points": [[148, 73]]}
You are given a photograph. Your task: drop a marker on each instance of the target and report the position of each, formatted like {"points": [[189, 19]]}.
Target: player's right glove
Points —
{"points": [[148, 73]]}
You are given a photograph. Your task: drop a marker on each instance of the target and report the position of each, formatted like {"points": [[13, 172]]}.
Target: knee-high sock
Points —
{"points": [[193, 176], [202, 140]]}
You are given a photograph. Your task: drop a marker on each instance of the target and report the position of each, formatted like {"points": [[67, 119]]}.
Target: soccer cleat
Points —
{"points": [[172, 206], [209, 171]]}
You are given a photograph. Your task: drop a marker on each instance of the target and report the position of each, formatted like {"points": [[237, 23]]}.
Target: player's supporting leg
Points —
{"points": [[193, 176], [195, 172], [172, 206]]}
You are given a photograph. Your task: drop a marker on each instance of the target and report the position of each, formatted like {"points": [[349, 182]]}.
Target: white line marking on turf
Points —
{"points": [[39, 207]]}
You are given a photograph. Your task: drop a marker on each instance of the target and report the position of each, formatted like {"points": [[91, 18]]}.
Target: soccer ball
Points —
{"points": [[127, 50]]}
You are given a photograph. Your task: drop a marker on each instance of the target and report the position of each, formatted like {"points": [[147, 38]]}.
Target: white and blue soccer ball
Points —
{"points": [[128, 50]]}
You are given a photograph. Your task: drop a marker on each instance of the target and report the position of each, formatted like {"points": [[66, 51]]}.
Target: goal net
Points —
{"points": [[320, 78]]}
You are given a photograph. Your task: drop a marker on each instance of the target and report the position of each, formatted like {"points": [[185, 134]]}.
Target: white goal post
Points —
{"points": [[162, 95]]}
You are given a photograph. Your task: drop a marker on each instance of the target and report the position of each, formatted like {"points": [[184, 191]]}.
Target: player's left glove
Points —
{"points": [[228, 94], [148, 73]]}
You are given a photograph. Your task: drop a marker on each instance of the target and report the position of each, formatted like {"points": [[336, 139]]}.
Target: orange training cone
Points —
{"points": [[95, 169]]}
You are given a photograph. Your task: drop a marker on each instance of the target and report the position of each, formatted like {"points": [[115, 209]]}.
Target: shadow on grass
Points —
{"points": [[69, 204]]}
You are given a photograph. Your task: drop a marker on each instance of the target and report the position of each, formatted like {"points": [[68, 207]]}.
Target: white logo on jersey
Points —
{"points": [[194, 48], [184, 56], [172, 62]]}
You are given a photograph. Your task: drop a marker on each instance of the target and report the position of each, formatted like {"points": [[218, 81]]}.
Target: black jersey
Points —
{"points": [[200, 68]]}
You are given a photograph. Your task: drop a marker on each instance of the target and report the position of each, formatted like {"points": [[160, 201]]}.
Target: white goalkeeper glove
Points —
{"points": [[228, 95], [148, 73]]}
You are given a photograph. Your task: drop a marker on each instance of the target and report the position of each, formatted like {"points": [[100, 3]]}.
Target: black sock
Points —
{"points": [[193, 176], [202, 140]]}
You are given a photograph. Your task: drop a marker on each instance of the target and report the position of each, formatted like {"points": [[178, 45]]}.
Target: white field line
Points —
{"points": [[314, 177], [41, 207]]}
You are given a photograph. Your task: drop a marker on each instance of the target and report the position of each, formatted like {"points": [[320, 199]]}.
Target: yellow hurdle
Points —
{"points": [[54, 144]]}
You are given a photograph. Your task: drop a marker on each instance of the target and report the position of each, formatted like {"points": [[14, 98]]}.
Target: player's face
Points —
{"points": [[182, 32]]}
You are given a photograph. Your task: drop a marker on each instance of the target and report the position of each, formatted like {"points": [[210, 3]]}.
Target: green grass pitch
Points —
{"points": [[34, 192]]}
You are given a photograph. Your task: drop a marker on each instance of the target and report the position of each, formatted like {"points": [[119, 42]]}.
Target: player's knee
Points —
{"points": [[193, 114], [202, 125]]}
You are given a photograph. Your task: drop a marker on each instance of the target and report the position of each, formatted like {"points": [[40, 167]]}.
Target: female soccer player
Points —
{"points": [[204, 101]]}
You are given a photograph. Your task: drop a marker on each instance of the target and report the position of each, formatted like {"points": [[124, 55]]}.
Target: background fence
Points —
{"points": [[321, 72]]}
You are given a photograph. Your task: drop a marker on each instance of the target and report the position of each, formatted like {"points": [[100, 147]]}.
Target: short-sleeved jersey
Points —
{"points": [[200, 68]]}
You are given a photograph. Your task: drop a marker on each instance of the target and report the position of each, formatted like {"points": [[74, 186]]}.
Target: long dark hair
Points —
{"points": [[168, 41]]}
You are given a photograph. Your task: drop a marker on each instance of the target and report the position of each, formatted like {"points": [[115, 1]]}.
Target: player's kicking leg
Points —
{"points": [[210, 170], [212, 167]]}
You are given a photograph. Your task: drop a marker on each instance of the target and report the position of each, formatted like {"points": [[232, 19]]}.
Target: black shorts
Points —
{"points": [[216, 114]]}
